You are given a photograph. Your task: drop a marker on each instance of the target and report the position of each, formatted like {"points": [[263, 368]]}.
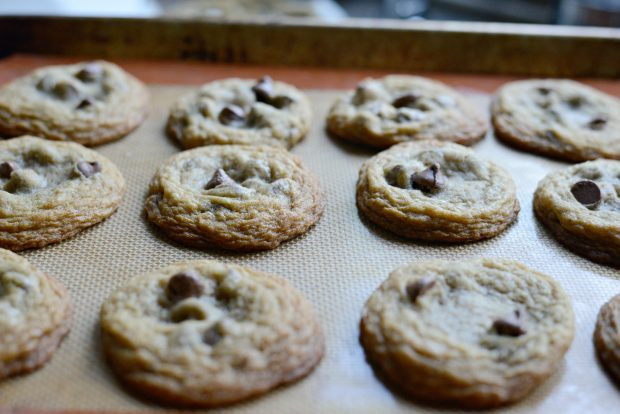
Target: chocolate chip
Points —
{"points": [[85, 103], [6, 168], [543, 90], [429, 179], [212, 336], [219, 177], [511, 326], [597, 123], [232, 115], [409, 99], [65, 91], [280, 101], [394, 177], [182, 286], [90, 72], [575, 101], [587, 193], [88, 169], [419, 287], [263, 89]]}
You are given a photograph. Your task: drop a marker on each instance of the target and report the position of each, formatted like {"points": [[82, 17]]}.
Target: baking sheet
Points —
{"points": [[337, 265]]}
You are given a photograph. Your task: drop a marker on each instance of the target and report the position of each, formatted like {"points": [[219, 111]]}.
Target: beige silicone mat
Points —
{"points": [[337, 265]]}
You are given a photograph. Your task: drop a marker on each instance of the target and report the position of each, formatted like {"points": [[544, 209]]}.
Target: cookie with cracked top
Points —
{"points": [[236, 197], [436, 191], [478, 333], [50, 191], [398, 108], [241, 111], [558, 118], [205, 333], [35, 315], [90, 103], [607, 337], [580, 205]]}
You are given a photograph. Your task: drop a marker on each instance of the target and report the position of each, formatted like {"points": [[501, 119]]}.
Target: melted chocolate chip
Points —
{"points": [[409, 99], [511, 326], [232, 115], [212, 336], [85, 103], [428, 180], [575, 101], [587, 193], [6, 168], [597, 123], [263, 89], [543, 90], [219, 177], [88, 169], [281, 101], [419, 287], [89, 73], [182, 286], [65, 91]]}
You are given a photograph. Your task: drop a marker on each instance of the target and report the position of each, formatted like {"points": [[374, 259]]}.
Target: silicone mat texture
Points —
{"points": [[337, 265]]}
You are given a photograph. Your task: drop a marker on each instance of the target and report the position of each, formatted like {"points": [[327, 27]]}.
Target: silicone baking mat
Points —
{"points": [[337, 265]]}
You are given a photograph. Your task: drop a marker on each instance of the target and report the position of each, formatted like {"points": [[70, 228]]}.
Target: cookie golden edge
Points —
{"points": [[390, 367], [214, 239], [606, 338], [117, 355], [37, 237], [15, 124], [39, 351], [452, 232]]}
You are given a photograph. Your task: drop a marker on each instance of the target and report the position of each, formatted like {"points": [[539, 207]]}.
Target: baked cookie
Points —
{"points": [[607, 337], [204, 333], [234, 197], [477, 334], [558, 118], [437, 191], [397, 108], [241, 111], [35, 315], [49, 191], [90, 103], [581, 207]]}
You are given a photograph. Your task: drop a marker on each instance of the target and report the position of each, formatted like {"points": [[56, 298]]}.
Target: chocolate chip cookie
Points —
{"points": [[204, 333], [477, 334], [580, 205], [90, 103], [236, 197], [35, 315], [607, 337], [241, 111], [437, 191], [558, 118], [397, 108], [49, 191]]}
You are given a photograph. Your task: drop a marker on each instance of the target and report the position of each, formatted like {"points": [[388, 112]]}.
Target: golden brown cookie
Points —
{"points": [[50, 191], [580, 205], [241, 111], [478, 334], [203, 333], [559, 118], [398, 108], [437, 191], [90, 103], [607, 337], [35, 315], [234, 197]]}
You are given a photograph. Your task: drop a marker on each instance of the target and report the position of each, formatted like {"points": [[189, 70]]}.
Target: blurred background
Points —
{"points": [[575, 12]]}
